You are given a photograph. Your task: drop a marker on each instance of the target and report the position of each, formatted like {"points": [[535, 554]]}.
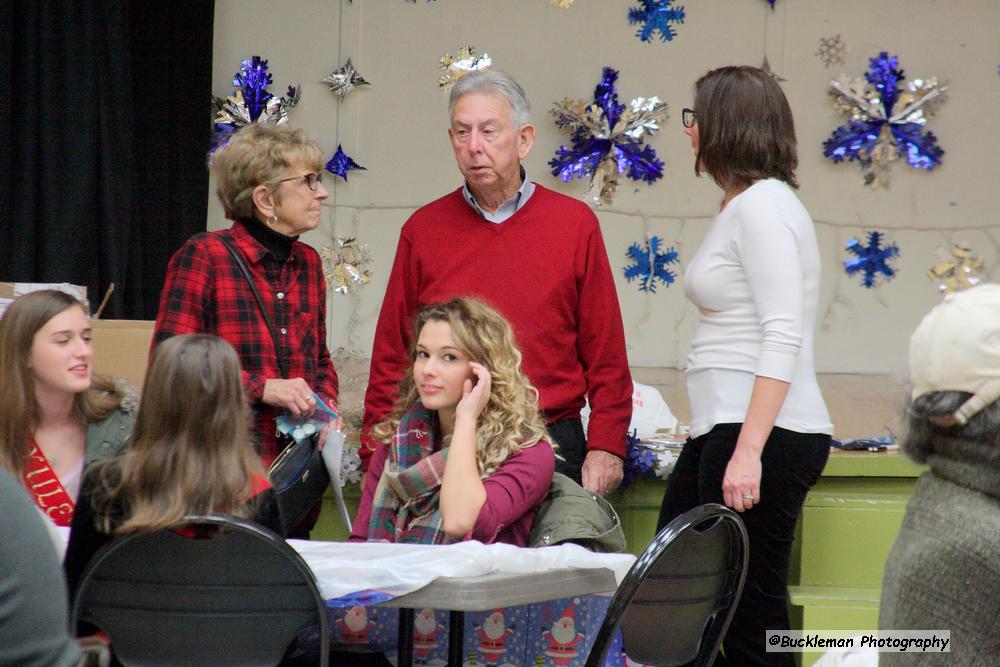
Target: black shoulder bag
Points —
{"points": [[298, 475]]}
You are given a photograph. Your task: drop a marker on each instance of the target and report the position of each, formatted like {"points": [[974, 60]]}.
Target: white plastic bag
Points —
{"points": [[333, 456], [650, 413]]}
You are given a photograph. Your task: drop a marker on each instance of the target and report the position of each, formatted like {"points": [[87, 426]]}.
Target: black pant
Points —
{"points": [[569, 435], [791, 463]]}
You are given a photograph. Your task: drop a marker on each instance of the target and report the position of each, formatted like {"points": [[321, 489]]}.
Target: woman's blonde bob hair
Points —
{"points": [[19, 409], [510, 421], [190, 451], [259, 155]]}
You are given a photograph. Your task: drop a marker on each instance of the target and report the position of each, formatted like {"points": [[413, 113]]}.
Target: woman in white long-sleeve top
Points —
{"points": [[760, 431]]}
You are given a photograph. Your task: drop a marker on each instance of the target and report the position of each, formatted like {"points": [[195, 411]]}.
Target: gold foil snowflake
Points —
{"points": [[346, 264], [466, 61], [960, 271]]}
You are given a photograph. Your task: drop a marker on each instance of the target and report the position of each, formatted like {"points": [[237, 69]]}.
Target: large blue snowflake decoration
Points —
{"points": [[885, 119], [655, 16], [251, 102], [341, 163], [650, 265], [872, 260], [608, 139]]}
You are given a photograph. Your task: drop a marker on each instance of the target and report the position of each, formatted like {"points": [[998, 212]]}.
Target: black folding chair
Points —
{"points": [[675, 604], [237, 596]]}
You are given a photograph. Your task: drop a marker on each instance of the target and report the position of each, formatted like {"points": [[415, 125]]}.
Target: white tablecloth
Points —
{"points": [[396, 569], [342, 568]]}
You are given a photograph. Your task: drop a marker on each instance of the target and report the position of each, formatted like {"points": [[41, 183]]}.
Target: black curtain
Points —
{"points": [[106, 121]]}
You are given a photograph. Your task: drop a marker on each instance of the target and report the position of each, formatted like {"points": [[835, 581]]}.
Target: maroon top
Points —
{"points": [[513, 494]]}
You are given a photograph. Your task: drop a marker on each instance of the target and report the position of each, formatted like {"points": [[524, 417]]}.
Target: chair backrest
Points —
{"points": [[675, 604], [236, 595]]}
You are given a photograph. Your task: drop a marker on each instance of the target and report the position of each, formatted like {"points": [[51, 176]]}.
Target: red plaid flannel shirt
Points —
{"points": [[205, 292]]}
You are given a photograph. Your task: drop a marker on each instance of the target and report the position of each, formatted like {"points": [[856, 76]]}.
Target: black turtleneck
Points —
{"points": [[279, 245]]}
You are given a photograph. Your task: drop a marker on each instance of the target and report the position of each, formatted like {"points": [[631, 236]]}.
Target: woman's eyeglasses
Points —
{"points": [[688, 117], [312, 179]]}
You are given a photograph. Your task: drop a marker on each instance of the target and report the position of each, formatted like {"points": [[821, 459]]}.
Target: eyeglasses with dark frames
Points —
{"points": [[688, 117], [312, 179]]}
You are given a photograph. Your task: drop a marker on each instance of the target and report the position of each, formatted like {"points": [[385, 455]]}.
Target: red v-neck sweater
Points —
{"points": [[546, 270]]}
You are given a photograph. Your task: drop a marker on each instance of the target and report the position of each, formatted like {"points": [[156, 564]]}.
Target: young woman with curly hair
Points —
{"points": [[464, 454]]}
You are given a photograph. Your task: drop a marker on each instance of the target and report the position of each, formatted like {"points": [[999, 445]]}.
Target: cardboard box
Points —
{"points": [[121, 348]]}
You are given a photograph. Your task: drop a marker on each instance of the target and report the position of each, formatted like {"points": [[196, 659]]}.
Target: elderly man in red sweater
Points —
{"points": [[535, 255]]}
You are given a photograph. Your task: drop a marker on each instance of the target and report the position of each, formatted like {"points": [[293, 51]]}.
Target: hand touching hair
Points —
{"points": [[510, 421]]}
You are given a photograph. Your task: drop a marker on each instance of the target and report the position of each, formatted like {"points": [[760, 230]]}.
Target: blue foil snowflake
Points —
{"points": [[871, 260], [640, 461], [253, 80], [341, 163], [251, 102], [885, 119], [608, 139], [650, 265], [656, 16]]}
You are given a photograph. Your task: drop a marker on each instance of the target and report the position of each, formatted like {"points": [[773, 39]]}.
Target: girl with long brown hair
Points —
{"points": [[464, 454], [190, 453], [56, 417]]}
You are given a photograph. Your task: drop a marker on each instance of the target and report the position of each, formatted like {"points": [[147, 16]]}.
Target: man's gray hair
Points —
{"points": [[493, 82]]}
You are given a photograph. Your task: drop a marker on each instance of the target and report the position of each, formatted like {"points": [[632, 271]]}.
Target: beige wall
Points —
{"points": [[396, 128]]}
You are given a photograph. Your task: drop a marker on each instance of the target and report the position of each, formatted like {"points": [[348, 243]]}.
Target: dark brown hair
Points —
{"points": [[745, 128]]}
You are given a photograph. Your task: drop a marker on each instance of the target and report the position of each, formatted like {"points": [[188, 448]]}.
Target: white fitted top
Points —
{"points": [[755, 281]]}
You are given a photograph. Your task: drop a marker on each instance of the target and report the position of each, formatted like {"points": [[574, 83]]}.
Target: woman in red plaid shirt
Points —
{"points": [[269, 182]]}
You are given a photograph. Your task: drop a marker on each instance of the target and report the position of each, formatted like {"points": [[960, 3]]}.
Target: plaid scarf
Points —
{"points": [[405, 507]]}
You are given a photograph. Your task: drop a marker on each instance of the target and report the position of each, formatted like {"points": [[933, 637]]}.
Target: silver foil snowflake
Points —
{"points": [[344, 79]]}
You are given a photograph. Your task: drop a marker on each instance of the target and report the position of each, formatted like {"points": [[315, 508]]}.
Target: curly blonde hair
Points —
{"points": [[510, 421]]}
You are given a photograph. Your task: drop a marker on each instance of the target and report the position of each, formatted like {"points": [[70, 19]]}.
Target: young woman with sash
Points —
{"points": [[464, 454], [56, 417], [190, 453]]}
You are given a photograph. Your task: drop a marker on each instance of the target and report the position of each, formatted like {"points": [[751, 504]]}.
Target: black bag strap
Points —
{"points": [[260, 302]]}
